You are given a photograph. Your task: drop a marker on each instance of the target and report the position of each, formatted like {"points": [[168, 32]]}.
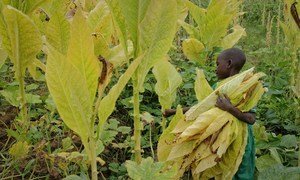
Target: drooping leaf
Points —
{"points": [[168, 80], [107, 104], [20, 38]]}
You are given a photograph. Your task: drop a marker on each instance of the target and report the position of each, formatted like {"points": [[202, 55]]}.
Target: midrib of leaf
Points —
{"points": [[18, 62]]}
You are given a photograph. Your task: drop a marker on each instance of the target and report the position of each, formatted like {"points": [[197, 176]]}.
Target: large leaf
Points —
{"points": [[120, 20], [70, 93], [97, 14], [134, 12], [81, 54], [156, 33], [20, 38], [197, 12], [58, 28], [168, 80], [107, 104]]}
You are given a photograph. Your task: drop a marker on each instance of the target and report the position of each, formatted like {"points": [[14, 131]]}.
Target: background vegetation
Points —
{"points": [[50, 147]]}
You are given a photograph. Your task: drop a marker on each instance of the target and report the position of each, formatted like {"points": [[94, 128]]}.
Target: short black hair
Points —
{"points": [[237, 57]]}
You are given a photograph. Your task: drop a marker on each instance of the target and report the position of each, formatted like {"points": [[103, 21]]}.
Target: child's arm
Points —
{"points": [[225, 104], [170, 112]]}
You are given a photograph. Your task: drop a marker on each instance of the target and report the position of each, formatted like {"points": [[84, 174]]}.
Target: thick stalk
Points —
{"points": [[23, 102], [137, 123], [92, 148]]}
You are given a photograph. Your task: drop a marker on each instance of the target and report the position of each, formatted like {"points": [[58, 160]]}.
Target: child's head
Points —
{"points": [[230, 62]]}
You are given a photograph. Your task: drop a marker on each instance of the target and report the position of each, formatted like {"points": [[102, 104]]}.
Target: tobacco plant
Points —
{"points": [[21, 41], [77, 79], [211, 29], [150, 26]]}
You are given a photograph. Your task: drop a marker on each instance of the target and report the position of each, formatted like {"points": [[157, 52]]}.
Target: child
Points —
{"points": [[229, 63]]}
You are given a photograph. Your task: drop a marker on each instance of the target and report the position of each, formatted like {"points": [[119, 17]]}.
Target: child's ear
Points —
{"points": [[229, 63]]}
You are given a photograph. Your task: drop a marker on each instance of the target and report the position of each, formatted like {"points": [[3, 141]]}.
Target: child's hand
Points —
{"points": [[224, 103]]}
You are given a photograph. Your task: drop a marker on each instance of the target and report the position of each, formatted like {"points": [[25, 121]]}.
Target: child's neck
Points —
{"points": [[234, 72]]}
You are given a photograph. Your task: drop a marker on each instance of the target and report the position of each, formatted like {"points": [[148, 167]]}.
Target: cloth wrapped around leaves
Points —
{"points": [[207, 140]]}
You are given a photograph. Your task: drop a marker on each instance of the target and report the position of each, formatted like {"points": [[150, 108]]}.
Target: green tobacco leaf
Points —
{"points": [[264, 162], [107, 104], [58, 29], [20, 38], [117, 56], [3, 57], [156, 31], [32, 5], [192, 49], [231, 39], [288, 141], [197, 13], [119, 19], [11, 96], [280, 172], [69, 94], [81, 54], [168, 80], [191, 30], [148, 169], [202, 88], [98, 14], [134, 12]]}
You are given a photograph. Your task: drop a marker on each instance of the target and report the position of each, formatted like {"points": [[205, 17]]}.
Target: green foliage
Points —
{"points": [[212, 29], [148, 169], [19, 150]]}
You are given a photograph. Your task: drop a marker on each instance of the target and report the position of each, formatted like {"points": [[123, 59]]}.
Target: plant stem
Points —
{"points": [[137, 123], [163, 121], [93, 161], [23, 102]]}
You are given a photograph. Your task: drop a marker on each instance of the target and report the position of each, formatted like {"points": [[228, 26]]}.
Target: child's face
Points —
{"points": [[223, 68]]}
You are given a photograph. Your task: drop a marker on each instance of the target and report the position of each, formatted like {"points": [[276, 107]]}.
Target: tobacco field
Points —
{"points": [[84, 85]]}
